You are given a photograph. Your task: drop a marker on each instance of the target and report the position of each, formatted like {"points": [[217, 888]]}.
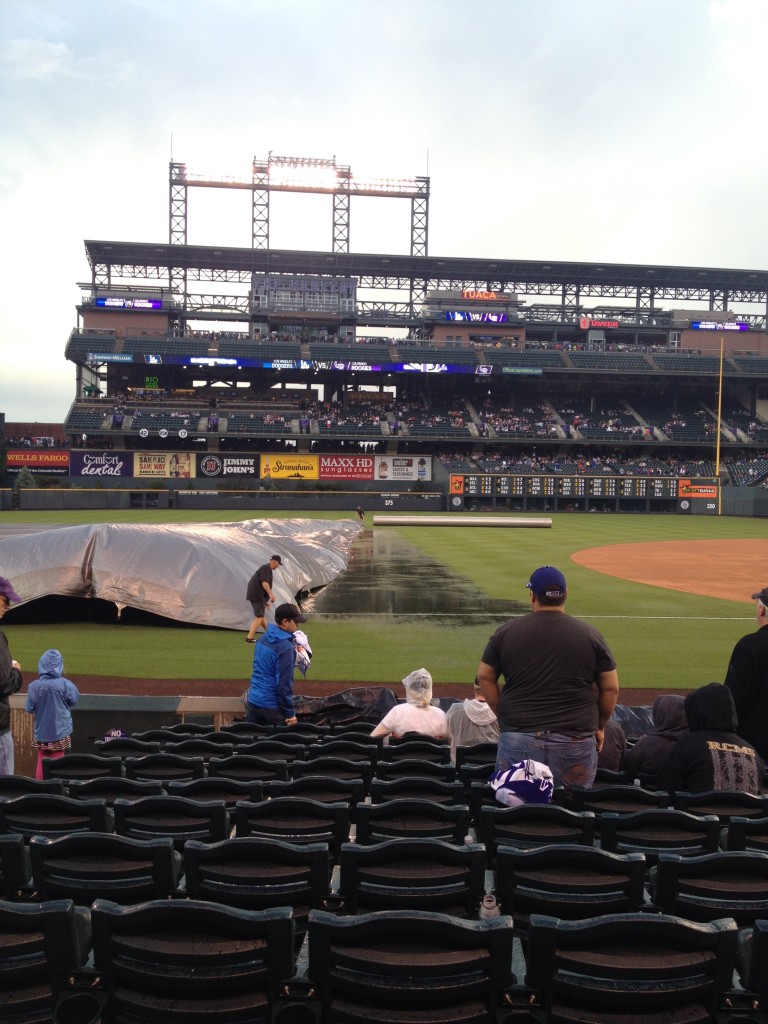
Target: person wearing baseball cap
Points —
{"points": [[560, 685], [747, 679], [259, 593], [10, 681], [270, 695]]}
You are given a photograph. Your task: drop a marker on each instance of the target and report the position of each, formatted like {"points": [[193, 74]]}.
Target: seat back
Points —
{"points": [[14, 866], [381, 966], [174, 817], [247, 768], [40, 945], [412, 874], [410, 767], [567, 881], [747, 834], [110, 789], [629, 967], [533, 825], [228, 791], [663, 830], [80, 767], [48, 814], [200, 747], [417, 789], [323, 788], [335, 768], [614, 799], [411, 819], [724, 803], [295, 820], [348, 749], [185, 960], [87, 866], [412, 749], [17, 785], [476, 754], [254, 874], [713, 885], [126, 746], [164, 767], [273, 750]]}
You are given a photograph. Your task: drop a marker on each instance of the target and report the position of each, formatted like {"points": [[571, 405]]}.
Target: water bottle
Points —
{"points": [[489, 907]]}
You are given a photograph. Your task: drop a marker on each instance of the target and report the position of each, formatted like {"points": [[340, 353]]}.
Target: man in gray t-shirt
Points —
{"points": [[560, 685]]}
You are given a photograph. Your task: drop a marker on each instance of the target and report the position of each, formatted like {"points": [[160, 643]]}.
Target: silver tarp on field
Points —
{"points": [[192, 573]]}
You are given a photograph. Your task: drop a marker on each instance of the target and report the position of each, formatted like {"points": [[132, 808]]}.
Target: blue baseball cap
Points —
{"points": [[547, 582]]}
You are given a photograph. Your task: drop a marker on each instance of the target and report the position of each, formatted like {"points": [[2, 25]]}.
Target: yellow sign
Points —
{"points": [[290, 467]]}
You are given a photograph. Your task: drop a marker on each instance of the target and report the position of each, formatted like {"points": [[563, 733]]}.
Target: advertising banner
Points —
{"points": [[346, 467], [105, 463], [162, 464], [213, 464], [697, 489], [37, 460], [402, 467], [290, 467]]}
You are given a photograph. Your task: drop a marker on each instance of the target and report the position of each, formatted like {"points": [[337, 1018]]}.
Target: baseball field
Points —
{"points": [[670, 593]]}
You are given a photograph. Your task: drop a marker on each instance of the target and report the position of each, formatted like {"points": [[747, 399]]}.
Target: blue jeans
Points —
{"points": [[6, 753], [573, 762], [263, 716]]}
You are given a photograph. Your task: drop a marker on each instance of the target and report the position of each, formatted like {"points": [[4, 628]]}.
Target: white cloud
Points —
{"points": [[35, 59]]}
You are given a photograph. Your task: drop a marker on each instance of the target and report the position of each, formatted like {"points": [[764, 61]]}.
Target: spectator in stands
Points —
{"points": [[417, 714], [747, 678], [10, 682], [561, 685], [471, 721], [49, 699], [669, 723], [711, 755], [614, 744], [270, 696]]}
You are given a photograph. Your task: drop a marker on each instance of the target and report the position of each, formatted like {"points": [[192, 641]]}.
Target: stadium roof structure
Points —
{"points": [[644, 282]]}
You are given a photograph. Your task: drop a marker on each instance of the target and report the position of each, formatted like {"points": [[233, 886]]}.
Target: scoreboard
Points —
{"points": [[491, 485]]}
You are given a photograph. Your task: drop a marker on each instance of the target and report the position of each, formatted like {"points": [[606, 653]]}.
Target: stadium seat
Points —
{"points": [[623, 968], [415, 768], [126, 746], [724, 803], [110, 789], [164, 767], [87, 866], [273, 750], [408, 749], [403, 965], [533, 825], [476, 754], [198, 747], [18, 785], [663, 830], [254, 874], [217, 788], [346, 748], [295, 820], [48, 814], [323, 788], [712, 885], [619, 799], [417, 789], [335, 768], [14, 867], [40, 945], [174, 817], [412, 874], [411, 819], [247, 768], [186, 961], [747, 834], [567, 881], [80, 767]]}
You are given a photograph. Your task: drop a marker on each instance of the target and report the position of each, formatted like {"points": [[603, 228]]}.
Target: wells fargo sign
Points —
{"points": [[37, 460]]}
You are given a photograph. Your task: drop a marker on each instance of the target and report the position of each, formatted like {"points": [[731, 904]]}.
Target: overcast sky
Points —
{"points": [[609, 130]]}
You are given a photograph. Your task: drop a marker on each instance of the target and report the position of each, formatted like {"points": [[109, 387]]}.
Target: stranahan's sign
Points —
{"points": [[290, 467]]}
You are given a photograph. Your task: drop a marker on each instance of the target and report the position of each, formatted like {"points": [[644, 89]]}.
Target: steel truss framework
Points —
{"points": [[569, 284]]}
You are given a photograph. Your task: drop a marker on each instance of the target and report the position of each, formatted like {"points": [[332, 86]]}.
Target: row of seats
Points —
{"points": [[188, 962]]}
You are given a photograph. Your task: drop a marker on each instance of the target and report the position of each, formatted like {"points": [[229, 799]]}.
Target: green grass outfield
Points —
{"points": [[661, 638]]}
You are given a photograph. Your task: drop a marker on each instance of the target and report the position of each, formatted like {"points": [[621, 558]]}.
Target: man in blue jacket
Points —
{"points": [[270, 697]]}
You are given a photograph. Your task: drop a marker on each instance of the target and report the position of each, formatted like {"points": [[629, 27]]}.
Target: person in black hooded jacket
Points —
{"points": [[711, 755]]}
